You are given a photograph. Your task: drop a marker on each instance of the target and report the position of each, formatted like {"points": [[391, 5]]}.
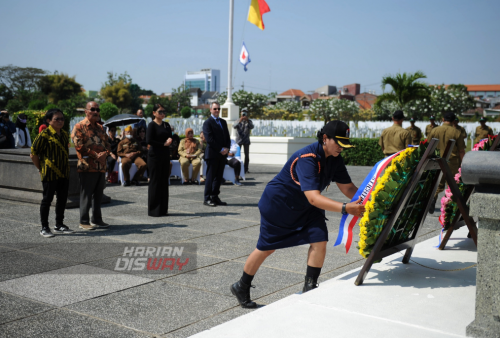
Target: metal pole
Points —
{"points": [[230, 54]]}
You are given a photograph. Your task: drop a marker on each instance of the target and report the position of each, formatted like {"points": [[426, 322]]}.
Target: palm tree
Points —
{"points": [[405, 88]]}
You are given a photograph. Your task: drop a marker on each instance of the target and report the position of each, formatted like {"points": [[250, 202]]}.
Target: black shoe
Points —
{"points": [[242, 292], [62, 229], [126, 184], [309, 284], [135, 182], [432, 207], [100, 224], [46, 233], [210, 203], [217, 200]]}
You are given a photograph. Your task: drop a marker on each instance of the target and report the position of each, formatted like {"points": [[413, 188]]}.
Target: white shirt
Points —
{"points": [[19, 137], [234, 150]]}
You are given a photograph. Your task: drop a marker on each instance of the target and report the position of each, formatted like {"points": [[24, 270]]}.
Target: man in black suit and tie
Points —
{"points": [[218, 144]]}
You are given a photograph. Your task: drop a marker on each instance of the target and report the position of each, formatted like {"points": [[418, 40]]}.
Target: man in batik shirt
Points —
{"points": [[92, 148]]}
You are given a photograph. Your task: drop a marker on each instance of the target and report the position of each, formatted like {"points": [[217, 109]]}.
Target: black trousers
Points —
{"points": [[60, 188], [246, 149], [236, 165], [110, 162], [215, 171], [91, 190], [159, 172]]}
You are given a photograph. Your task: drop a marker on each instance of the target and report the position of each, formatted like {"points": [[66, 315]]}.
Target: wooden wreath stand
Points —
{"points": [[427, 163], [462, 217]]}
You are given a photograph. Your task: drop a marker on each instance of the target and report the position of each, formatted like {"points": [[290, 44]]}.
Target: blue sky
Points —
{"points": [[306, 44]]}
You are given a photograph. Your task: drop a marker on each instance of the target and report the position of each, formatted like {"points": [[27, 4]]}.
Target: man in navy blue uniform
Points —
{"points": [[218, 144]]}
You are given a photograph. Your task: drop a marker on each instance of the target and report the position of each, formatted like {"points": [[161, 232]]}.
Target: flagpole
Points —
{"points": [[230, 54]]}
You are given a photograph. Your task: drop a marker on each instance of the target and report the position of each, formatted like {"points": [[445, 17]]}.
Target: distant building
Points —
{"points": [[365, 100], [290, 95], [352, 89], [483, 91], [205, 80], [326, 90], [195, 95]]}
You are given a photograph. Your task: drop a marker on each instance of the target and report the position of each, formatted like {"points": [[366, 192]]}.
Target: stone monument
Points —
{"points": [[482, 169]]}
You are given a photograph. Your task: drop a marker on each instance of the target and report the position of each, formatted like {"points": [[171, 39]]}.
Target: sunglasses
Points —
{"points": [[216, 108], [95, 109], [161, 112], [59, 119]]}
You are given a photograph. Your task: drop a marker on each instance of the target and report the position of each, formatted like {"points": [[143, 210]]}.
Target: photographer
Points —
{"points": [[243, 127]]}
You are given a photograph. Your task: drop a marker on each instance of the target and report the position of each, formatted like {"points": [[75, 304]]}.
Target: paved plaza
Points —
{"points": [[71, 290]]}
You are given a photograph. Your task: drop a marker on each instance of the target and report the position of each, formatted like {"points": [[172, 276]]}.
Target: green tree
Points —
{"points": [[5, 96], [118, 94], [321, 107], [22, 83], [405, 89], [252, 101], [136, 102], [186, 112], [21, 79], [37, 104], [180, 98], [384, 111], [108, 110], [59, 87], [343, 110], [70, 106]]}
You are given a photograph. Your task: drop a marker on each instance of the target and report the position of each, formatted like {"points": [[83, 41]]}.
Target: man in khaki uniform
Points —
{"points": [[431, 126], [416, 132], [482, 131], [463, 133], [129, 151], [395, 138], [444, 133]]}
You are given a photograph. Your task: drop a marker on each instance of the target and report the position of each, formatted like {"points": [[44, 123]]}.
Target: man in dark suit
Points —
{"points": [[218, 143]]}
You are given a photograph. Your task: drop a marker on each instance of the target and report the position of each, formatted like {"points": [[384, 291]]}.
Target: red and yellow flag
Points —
{"points": [[257, 9]]}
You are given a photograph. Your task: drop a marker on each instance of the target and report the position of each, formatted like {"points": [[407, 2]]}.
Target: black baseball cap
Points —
{"points": [[482, 119], [432, 117], [339, 131], [449, 117], [398, 115], [412, 120]]}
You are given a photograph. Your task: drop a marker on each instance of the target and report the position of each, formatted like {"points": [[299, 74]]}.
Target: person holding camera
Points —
{"points": [[243, 127]]}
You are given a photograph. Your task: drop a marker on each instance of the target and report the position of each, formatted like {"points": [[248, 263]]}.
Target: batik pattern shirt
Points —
{"points": [[52, 150], [90, 140]]}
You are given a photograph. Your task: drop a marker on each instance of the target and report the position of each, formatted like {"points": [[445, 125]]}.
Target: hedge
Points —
{"points": [[366, 153]]}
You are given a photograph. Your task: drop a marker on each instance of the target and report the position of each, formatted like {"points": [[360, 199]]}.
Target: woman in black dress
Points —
{"points": [[159, 137]]}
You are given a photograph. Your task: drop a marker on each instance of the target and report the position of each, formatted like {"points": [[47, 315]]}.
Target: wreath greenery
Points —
{"points": [[386, 195]]}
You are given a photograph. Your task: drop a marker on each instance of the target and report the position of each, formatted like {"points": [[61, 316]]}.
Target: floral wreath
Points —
{"points": [[385, 194]]}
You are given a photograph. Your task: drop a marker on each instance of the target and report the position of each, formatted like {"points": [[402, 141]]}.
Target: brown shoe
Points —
{"points": [[87, 227]]}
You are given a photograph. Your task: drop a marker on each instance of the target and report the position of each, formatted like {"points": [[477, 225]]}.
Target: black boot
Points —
{"points": [[242, 292], [309, 284]]}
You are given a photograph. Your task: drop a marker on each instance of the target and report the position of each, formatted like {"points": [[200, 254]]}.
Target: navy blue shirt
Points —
{"points": [[284, 204]]}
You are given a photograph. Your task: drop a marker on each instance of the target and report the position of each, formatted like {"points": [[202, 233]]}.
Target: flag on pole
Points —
{"points": [[347, 222], [257, 9], [244, 57]]}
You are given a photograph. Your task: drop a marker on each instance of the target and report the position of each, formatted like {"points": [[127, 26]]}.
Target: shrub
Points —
{"points": [[366, 153], [108, 110], [186, 112], [50, 106]]}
